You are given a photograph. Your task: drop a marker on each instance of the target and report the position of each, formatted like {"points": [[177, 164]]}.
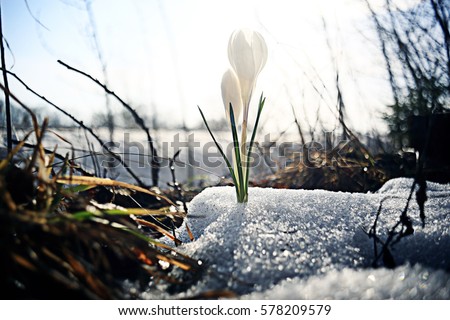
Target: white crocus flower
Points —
{"points": [[231, 93], [247, 52]]}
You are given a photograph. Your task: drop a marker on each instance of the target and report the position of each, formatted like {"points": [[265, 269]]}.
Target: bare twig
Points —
{"points": [[96, 166], [404, 220], [341, 106], [438, 8], [109, 115], [154, 155], [299, 128], [175, 184], [6, 91], [415, 43], [34, 17], [81, 124], [58, 156]]}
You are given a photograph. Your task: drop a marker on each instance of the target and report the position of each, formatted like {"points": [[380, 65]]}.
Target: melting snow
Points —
{"points": [[298, 244]]}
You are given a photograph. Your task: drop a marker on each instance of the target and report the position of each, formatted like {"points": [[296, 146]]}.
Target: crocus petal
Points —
{"points": [[231, 93], [260, 52], [247, 52]]}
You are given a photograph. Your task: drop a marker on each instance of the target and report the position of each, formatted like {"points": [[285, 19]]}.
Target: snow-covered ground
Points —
{"points": [[298, 244]]}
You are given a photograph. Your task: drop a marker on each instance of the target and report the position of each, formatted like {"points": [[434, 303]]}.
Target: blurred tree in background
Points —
{"points": [[415, 42]]}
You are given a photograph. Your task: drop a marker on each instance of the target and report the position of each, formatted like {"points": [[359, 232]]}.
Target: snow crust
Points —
{"points": [[299, 244]]}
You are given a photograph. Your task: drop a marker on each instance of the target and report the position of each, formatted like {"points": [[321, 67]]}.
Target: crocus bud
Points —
{"points": [[247, 52], [231, 93]]}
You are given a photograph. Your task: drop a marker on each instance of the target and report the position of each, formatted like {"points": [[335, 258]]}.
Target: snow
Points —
{"points": [[299, 244], [405, 282]]}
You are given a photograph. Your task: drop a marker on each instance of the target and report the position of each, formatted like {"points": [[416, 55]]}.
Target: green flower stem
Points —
{"points": [[252, 140], [240, 176], [230, 168], [239, 170], [244, 144]]}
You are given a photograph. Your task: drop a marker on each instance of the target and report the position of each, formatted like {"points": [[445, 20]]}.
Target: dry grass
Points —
{"points": [[353, 169], [57, 242]]}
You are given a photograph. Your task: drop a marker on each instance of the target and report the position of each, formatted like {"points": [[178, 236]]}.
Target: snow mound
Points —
{"points": [[403, 185], [313, 244], [404, 282]]}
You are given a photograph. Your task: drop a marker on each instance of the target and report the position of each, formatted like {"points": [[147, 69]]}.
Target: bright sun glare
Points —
{"points": [[168, 57]]}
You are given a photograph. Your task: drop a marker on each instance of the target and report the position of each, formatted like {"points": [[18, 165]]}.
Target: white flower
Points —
{"points": [[231, 93], [247, 52]]}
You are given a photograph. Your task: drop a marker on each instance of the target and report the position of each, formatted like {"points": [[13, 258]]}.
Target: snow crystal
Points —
{"points": [[314, 244]]}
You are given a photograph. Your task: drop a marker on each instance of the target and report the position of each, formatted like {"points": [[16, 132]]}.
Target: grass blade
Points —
{"points": [[94, 181], [5, 162], [237, 152], [255, 128], [230, 168]]}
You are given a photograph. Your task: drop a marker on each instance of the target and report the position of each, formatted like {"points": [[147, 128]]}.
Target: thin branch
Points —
{"points": [[379, 28], [81, 124], [175, 184], [444, 24], [154, 155], [299, 128], [34, 17], [109, 116], [6, 91]]}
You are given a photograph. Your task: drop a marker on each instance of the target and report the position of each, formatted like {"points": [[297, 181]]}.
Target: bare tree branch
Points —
{"points": [[6, 91], [154, 155], [81, 124]]}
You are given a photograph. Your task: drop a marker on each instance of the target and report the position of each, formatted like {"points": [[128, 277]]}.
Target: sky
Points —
{"points": [[167, 57]]}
